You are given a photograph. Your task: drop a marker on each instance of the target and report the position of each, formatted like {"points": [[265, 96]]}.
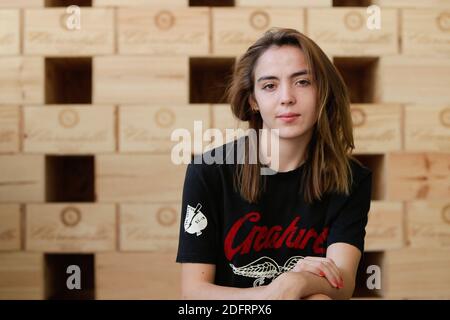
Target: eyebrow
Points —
{"points": [[295, 74]]}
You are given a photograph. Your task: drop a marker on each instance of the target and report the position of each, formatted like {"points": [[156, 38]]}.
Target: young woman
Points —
{"points": [[295, 234]]}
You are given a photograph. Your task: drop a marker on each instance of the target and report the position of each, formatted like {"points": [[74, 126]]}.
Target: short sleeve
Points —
{"points": [[198, 232], [351, 220]]}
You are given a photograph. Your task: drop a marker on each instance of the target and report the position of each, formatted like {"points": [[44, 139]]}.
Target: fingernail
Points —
{"points": [[322, 274]]}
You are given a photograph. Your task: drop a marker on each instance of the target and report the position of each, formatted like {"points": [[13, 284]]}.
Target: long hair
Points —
{"points": [[327, 166]]}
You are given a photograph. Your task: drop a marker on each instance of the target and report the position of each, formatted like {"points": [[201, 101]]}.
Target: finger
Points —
{"points": [[320, 267], [317, 296], [328, 272], [298, 265], [338, 272], [330, 263], [320, 270], [320, 259], [309, 267]]}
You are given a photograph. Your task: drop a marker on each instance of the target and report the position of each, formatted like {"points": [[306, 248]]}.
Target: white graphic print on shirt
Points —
{"points": [[195, 220], [265, 268]]}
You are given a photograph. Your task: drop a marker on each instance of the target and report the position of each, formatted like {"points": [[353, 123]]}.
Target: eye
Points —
{"points": [[303, 82], [268, 86]]}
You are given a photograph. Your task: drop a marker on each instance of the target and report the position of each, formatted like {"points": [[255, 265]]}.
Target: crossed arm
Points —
{"points": [[331, 277]]}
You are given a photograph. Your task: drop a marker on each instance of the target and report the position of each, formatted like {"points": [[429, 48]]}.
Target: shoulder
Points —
{"points": [[360, 190], [360, 173], [213, 163], [361, 182]]}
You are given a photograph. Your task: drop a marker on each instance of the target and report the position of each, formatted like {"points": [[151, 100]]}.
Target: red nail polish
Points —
{"points": [[321, 274]]}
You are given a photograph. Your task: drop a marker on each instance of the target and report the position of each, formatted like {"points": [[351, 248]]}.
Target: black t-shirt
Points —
{"points": [[251, 244]]}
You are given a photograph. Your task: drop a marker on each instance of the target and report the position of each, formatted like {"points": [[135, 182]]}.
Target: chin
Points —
{"points": [[291, 134]]}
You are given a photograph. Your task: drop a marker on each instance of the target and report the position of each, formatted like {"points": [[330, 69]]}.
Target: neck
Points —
{"points": [[291, 152]]}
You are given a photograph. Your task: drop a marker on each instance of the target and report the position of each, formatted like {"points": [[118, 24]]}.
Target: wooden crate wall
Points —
{"points": [[86, 117]]}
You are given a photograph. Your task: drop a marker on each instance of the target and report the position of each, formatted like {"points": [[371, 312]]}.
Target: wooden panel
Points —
{"points": [[138, 178], [427, 128], [377, 127], [164, 30], [223, 119], [149, 227], [428, 224], [21, 3], [46, 32], [9, 227], [21, 276], [139, 3], [22, 80], [412, 3], [69, 129], [126, 79], [22, 178], [343, 32], [417, 274], [425, 32], [385, 227], [9, 32], [9, 129], [70, 227], [283, 3], [235, 29], [137, 276], [149, 128], [400, 80], [411, 176]]}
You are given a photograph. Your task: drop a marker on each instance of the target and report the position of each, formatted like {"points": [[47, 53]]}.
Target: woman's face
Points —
{"points": [[284, 93]]}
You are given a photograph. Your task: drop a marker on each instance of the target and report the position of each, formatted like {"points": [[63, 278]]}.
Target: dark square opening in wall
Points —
{"points": [[369, 278], [209, 78], [376, 164], [211, 3], [66, 3], [351, 3], [68, 80], [64, 271], [70, 178], [359, 76]]}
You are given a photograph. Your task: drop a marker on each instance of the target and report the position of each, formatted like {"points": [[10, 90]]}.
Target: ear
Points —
{"points": [[253, 103]]}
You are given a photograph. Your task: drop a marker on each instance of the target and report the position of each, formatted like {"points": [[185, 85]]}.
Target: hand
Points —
{"points": [[287, 286], [317, 296], [323, 267]]}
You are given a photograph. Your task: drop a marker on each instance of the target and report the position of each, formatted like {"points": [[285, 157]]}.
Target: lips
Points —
{"points": [[288, 115]]}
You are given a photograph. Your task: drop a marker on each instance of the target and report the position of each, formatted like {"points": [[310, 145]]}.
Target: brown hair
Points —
{"points": [[327, 165]]}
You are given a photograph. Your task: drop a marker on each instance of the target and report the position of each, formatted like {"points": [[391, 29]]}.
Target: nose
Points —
{"points": [[287, 96]]}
